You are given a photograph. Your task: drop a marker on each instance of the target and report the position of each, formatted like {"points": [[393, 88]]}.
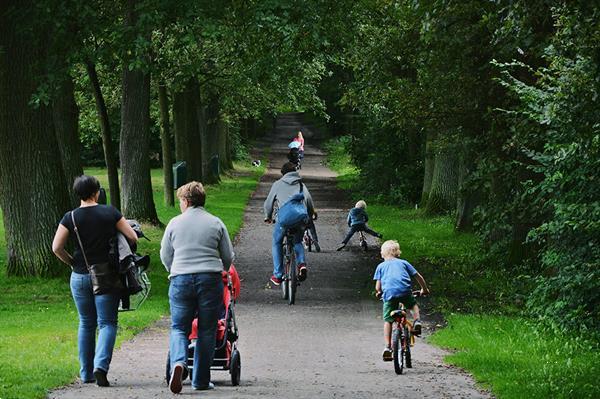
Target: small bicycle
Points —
{"points": [[402, 338], [363, 241], [308, 241]]}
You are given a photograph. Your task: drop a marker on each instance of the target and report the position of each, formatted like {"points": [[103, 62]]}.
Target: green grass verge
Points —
{"points": [[519, 360], [506, 353], [38, 320]]}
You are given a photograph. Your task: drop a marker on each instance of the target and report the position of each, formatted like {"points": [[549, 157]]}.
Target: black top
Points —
{"points": [[97, 225]]}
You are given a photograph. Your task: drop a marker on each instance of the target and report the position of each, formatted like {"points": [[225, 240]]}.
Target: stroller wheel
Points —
{"points": [[235, 367]]}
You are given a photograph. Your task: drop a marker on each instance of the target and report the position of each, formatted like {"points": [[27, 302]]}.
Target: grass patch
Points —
{"points": [[38, 319], [512, 356], [519, 360]]}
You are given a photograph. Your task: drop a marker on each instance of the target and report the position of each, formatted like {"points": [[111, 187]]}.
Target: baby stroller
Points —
{"points": [[227, 356]]}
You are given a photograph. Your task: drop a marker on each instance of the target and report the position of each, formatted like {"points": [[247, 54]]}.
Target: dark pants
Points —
{"points": [[356, 228], [188, 294]]}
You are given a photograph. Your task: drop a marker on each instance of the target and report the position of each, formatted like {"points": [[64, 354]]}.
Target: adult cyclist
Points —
{"points": [[281, 191]]}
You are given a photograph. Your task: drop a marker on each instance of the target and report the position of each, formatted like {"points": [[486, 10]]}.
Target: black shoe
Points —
{"points": [[341, 247], [175, 384], [101, 379], [317, 246]]}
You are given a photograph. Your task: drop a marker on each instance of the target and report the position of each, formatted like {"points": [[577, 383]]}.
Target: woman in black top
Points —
{"points": [[96, 224]]}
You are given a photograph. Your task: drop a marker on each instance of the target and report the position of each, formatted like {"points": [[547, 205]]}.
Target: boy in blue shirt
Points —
{"points": [[393, 281]]}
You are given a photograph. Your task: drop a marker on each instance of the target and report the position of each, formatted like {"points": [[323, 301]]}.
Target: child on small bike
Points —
{"points": [[393, 282], [357, 221]]}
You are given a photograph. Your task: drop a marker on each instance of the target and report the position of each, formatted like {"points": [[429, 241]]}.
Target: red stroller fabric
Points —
{"points": [[236, 286]]}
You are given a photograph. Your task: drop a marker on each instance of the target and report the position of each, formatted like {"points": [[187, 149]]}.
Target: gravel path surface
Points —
{"points": [[328, 345]]}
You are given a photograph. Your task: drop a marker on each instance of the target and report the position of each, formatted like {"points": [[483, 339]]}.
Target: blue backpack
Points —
{"points": [[293, 212]]}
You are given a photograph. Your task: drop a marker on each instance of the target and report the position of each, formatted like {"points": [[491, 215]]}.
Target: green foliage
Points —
{"points": [[562, 105], [38, 319], [518, 359]]}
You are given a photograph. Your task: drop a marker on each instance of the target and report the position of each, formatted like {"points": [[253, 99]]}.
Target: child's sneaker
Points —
{"points": [[388, 355], [302, 272], [416, 329], [276, 280]]}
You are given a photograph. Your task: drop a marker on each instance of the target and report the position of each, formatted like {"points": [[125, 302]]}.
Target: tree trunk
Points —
{"points": [[466, 200], [209, 121], [444, 183], [33, 197], [66, 125], [138, 201], [165, 138], [428, 172], [112, 167], [223, 138], [188, 146]]}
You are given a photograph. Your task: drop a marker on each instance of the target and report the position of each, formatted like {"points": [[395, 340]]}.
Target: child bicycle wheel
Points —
{"points": [[397, 349]]}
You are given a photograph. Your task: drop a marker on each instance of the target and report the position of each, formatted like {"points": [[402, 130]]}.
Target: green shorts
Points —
{"points": [[389, 306]]}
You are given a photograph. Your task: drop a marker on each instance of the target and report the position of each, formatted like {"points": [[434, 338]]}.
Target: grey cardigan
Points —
{"points": [[196, 242]]}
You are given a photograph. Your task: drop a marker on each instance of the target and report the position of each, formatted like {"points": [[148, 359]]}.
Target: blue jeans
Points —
{"points": [[277, 249], [191, 294], [95, 311]]}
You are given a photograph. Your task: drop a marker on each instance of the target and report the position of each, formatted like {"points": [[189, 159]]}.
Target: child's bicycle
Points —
{"points": [[363, 241], [308, 241], [402, 338]]}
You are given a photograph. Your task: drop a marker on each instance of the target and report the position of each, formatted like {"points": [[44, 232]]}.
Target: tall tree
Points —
{"points": [[165, 139], [66, 126], [33, 194], [138, 201], [110, 159]]}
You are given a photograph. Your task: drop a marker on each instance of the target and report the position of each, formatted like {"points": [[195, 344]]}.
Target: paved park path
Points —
{"points": [[328, 345]]}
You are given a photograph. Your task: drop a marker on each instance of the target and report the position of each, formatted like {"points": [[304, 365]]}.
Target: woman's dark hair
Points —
{"points": [[287, 168], [86, 187]]}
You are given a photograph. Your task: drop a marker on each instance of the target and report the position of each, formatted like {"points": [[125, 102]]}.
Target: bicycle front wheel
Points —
{"points": [[397, 348], [407, 353]]}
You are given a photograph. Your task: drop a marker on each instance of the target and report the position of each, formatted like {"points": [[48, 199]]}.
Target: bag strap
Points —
{"points": [[79, 239], [301, 186]]}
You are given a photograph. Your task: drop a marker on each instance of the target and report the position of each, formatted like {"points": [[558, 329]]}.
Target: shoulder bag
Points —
{"points": [[105, 279]]}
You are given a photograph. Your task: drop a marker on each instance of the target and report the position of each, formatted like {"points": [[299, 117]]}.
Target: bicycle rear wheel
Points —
{"points": [[397, 348], [293, 280]]}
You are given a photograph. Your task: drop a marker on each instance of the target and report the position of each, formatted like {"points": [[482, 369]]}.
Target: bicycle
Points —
{"points": [[290, 276], [402, 338], [363, 241], [308, 241]]}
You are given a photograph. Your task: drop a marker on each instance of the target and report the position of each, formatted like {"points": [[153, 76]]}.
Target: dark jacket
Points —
{"points": [[357, 216]]}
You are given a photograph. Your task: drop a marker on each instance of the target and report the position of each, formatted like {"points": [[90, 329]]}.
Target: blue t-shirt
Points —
{"points": [[395, 277]]}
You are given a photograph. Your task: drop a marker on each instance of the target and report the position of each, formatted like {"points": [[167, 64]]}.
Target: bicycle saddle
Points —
{"points": [[397, 313]]}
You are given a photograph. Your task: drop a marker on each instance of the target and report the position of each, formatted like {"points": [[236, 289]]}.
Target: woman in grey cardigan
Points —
{"points": [[195, 249]]}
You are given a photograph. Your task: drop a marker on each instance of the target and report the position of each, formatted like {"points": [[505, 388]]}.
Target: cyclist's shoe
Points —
{"points": [[302, 272], [388, 355], [417, 328], [341, 247], [275, 280], [317, 246]]}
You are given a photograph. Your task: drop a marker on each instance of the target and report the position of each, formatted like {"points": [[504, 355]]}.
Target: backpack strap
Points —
{"points": [[301, 186]]}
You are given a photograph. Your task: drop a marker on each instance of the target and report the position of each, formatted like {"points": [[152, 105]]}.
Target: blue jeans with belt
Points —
{"points": [[95, 312], [191, 294]]}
